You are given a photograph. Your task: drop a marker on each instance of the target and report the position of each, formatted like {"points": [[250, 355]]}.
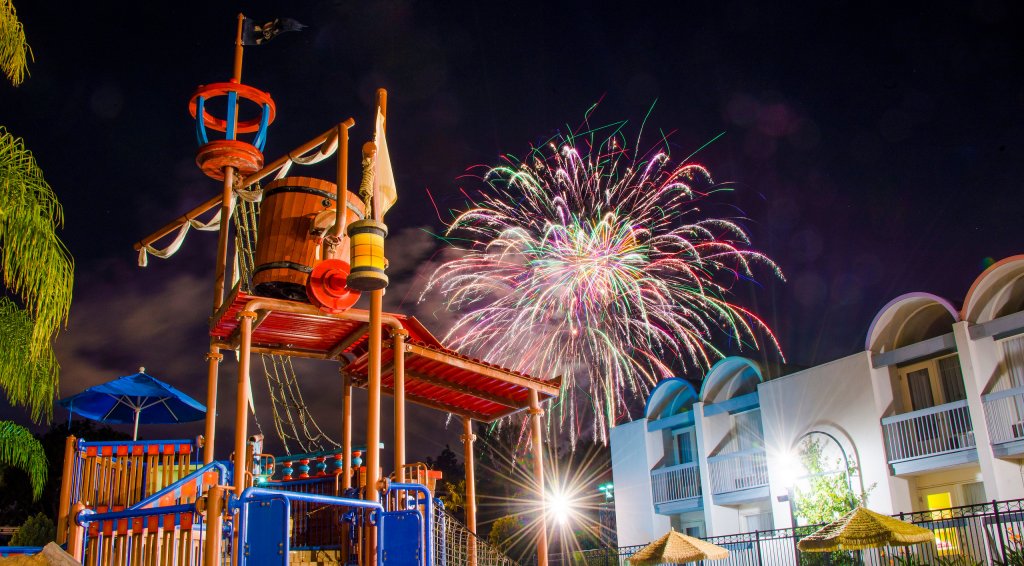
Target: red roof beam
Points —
{"points": [[548, 388]]}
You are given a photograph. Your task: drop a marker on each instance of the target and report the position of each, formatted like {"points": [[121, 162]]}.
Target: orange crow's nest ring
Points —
{"points": [[245, 92], [213, 157], [326, 287]]}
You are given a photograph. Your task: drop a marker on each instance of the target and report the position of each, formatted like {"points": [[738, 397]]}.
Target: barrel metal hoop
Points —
{"points": [[282, 265], [296, 189]]}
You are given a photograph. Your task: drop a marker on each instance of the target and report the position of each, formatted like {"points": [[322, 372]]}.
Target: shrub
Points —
{"points": [[37, 530]]}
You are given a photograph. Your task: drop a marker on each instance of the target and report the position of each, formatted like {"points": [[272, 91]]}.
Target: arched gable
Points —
{"points": [[997, 292], [908, 319], [670, 397], [730, 377]]}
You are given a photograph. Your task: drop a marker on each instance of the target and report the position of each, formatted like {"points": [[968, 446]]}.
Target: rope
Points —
{"points": [[366, 185], [293, 422], [326, 150]]}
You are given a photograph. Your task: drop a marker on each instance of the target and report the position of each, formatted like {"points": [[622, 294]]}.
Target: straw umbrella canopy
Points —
{"points": [[860, 529], [677, 548]]}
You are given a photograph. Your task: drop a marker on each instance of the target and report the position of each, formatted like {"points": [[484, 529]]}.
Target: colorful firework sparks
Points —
{"points": [[587, 261]]}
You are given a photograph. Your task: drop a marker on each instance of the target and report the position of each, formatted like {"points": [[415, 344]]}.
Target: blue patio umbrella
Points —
{"points": [[133, 399]]}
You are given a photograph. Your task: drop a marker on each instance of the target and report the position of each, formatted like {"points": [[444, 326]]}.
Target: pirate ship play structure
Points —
{"points": [[298, 275]]}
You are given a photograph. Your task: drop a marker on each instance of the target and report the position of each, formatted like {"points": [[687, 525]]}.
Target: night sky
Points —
{"points": [[873, 151]]}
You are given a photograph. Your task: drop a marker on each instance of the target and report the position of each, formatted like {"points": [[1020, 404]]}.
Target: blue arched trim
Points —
{"points": [[683, 391], [724, 367]]}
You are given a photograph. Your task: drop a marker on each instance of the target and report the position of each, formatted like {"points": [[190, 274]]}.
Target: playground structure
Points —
{"points": [[295, 282]]}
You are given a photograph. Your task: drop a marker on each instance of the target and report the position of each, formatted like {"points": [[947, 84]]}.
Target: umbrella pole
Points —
{"points": [[135, 433]]}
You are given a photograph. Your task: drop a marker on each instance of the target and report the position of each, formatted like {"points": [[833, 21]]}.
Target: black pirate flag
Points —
{"points": [[258, 34]]}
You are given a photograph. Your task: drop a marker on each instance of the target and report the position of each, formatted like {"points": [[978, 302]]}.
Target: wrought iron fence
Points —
{"points": [[970, 535], [454, 543]]}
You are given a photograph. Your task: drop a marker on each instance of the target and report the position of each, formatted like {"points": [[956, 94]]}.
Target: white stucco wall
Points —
{"points": [[838, 398], [981, 364], [634, 453]]}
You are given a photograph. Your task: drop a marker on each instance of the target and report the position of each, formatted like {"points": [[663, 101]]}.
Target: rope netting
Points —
{"points": [[451, 544], [293, 422]]}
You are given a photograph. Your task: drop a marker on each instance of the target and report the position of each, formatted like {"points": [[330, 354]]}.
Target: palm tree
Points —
{"points": [[36, 271], [14, 51], [19, 449], [35, 266]]}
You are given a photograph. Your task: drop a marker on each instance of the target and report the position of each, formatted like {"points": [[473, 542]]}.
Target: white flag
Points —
{"points": [[383, 176]]}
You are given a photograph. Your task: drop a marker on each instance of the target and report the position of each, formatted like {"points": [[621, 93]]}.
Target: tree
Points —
{"points": [[36, 272], [14, 50], [827, 494], [19, 449], [16, 501], [36, 267], [36, 531], [504, 532], [447, 463]]}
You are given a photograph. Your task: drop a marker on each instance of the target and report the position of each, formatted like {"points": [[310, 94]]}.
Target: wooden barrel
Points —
{"points": [[285, 249]]}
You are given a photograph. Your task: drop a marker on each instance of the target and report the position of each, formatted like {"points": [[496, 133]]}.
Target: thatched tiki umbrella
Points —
{"points": [[860, 529], [677, 548]]}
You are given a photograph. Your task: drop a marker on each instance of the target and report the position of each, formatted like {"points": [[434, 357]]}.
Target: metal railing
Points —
{"points": [[737, 471], [454, 542], [989, 533], [675, 483], [171, 534], [313, 525], [1004, 413], [929, 432], [251, 530]]}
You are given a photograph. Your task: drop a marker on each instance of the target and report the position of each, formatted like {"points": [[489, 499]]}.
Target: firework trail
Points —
{"points": [[587, 261]]}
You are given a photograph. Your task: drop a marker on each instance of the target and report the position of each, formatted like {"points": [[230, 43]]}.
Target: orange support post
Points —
{"points": [[213, 359], [467, 439], [538, 474], [65, 489], [242, 404], [214, 525], [346, 431], [76, 537], [398, 347]]}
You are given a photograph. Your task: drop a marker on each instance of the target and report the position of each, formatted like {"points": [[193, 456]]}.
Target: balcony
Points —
{"points": [[930, 439], [1004, 414], [676, 488], [739, 477]]}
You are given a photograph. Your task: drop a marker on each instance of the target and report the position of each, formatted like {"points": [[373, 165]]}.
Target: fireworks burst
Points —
{"points": [[588, 261]]}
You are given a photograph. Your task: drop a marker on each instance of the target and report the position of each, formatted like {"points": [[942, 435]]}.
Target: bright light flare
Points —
{"points": [[571, 507], [559, 507]]}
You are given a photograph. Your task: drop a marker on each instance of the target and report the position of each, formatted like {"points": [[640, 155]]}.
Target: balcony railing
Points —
{"points": [[1004, 413], [675, 483], [737, 471], [929, 432]]}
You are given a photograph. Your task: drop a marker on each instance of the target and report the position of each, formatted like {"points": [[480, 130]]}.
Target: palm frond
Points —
{"points": [[29, 382], [20, 449], [15, 52], [36, 266]]}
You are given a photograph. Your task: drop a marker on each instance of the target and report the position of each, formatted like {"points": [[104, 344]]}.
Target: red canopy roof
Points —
{"points": [[435, 376]]}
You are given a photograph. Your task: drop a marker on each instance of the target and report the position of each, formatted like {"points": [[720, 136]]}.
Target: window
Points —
{"points": [[749, 433], [1013, 357], [934, 382], [974, 493], [952, 379], [920, 385], [760, 522], [685, 446]]}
